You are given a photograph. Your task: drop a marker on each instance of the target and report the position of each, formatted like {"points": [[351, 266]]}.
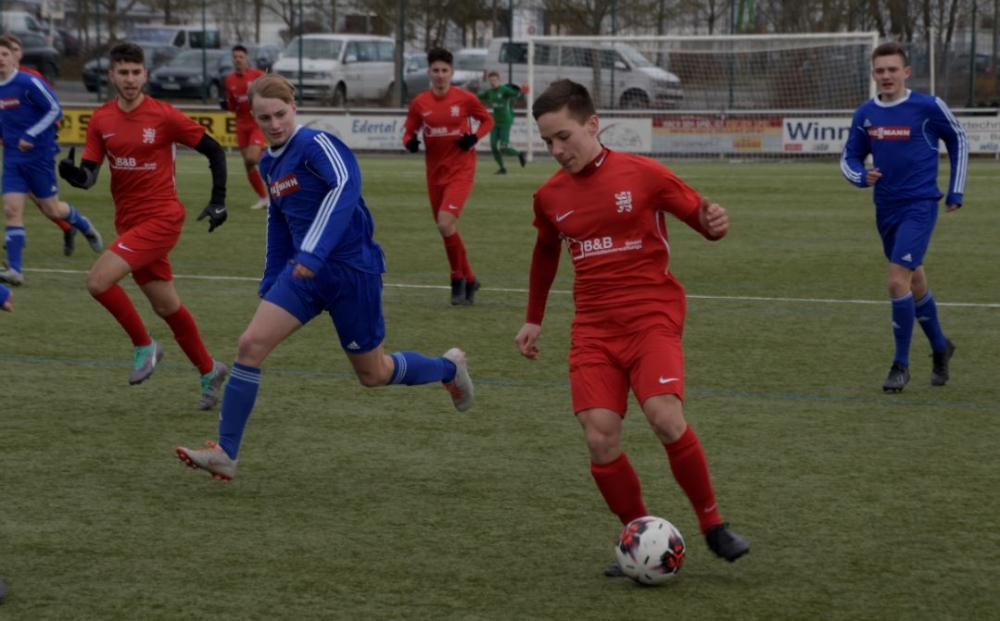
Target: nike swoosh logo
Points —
{"points": [[106, 136], [453, 207], [668, 380], [598, 163], [560, 218], [124, 247], [428, 113]]}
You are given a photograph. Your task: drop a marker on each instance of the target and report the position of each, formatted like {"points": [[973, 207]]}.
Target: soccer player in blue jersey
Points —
{"points": [[321, 256], [28, 113], [901, 130]]}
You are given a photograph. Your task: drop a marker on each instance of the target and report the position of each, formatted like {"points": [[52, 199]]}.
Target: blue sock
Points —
{"points": [[77, 220], [927, 317], [413, 368], [16, 240], [237, 404], [903, 316]]}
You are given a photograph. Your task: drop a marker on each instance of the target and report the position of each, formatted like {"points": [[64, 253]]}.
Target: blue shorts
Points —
{"points": [[906, 231], [353, 299], [37, 176]]}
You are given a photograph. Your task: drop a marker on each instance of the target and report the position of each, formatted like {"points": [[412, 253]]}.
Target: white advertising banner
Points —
{"points": [[828, 135]]}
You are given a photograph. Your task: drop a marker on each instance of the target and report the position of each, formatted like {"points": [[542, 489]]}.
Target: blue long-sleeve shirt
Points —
{"points": [[316, 213], [29, 111], [903, 138]]}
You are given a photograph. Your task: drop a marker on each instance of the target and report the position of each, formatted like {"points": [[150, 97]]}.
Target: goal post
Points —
{"points": [[687, 82]]}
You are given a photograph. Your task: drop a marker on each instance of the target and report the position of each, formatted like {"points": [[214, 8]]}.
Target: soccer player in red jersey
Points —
{"points": [[249, 138], [137, 134], [444, 113], [609, 208]]}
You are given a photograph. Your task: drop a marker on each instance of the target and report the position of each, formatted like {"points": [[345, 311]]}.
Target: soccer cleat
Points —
{"points": [[260, 204], [457, 291], [94, 239], [898, 376], [725, 543], [614, 571], [69, 241], [11, 277], [460, 387], [502, 171], [939, 374], [211, 385], [470, 291], [144, 362], [212, 459], [521, 157]]}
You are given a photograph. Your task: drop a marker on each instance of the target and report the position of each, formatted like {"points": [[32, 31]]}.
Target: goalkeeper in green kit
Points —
{"points": [[500, 97]]}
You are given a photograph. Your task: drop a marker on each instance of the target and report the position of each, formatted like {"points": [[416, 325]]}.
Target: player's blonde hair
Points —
{"points": [[272, 86]]}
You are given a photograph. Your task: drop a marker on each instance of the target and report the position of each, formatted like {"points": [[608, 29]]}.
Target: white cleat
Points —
{"points": [[260, 204], [460, 388]]}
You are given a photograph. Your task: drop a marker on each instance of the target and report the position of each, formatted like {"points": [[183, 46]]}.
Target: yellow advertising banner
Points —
{"points": [[220, 125]]}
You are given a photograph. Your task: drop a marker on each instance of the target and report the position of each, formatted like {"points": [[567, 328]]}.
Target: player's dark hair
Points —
{"points": [[891, 49], [10, 36], [272, 86], [439, 53], [239, 48], [565, 94], [126, 52]]}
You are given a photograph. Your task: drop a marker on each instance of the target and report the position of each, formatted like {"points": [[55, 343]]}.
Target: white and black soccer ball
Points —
{"points": [[650, 550]]}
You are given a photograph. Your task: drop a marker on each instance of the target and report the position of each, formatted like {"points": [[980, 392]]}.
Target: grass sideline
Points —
{"points": [[353, 503]]}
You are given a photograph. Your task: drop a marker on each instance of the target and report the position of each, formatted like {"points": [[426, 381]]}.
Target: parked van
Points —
{"points": [[21, 21], [179, 37], [340, 67], [628, 79]]}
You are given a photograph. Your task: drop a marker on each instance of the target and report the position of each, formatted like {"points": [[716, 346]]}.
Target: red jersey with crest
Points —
{"points": [[611, 217], [444, 119], [139, 147], [236, 96]]}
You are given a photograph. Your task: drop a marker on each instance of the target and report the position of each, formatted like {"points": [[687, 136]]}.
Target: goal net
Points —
{"points": [[707, 95]]}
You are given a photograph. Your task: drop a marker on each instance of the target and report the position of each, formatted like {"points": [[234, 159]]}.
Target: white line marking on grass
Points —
{"points": [[691, 296]]}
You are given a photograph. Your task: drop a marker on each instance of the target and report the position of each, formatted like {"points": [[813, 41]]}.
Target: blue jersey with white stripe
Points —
{"points": [[316, 214], [29, 111], [903, 138]]}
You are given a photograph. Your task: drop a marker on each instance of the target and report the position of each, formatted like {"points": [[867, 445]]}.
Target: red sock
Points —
{"points": [[256, 182], [690, 468], [620, 487], [466, 268], [121, 308], [455, 250], [62, 224], [186, 334]]}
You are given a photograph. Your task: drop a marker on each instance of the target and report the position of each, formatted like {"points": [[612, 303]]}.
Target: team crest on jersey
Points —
{"points": [[624, 201], [888, 132], [455, 110], [148, 135], [285, 186]]}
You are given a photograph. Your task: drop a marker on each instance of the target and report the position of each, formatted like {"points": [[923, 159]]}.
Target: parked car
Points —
{"points": [[96, 71], [263, 56], [70, 42], [336, 68], [469, 64], [39, 55], [191, 74], [180, 37]]}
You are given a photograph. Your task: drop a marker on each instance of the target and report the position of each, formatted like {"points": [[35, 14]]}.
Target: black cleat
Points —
{"points": [[457, 291], [725, 543], [939, 374], [502, 171], [521, 157], [69, 241], [899, 375], [614, 571], [470, 291]]}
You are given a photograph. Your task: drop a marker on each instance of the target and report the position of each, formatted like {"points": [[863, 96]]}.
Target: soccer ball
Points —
{"points": [[650, 550]]}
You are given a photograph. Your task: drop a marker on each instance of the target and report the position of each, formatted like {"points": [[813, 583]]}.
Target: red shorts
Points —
{"points": [[145, 246], [249, 135], [602, 368], [450, 197]]}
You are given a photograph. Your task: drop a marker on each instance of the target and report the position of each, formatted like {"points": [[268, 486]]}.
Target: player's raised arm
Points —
{"points": [[215, 211]]}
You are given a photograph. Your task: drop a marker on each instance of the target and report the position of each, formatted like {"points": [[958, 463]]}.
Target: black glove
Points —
{"points": [[413, 145], [467, 141], [216, 215], [69, 171]]}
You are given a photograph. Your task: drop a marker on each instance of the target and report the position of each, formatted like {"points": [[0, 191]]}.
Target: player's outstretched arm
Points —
{"points": [[83, 176], [215, 211]]}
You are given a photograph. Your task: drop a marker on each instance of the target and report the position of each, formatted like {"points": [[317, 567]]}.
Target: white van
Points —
{"points": [[340, 67], [21, 21], [628, 79]]}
